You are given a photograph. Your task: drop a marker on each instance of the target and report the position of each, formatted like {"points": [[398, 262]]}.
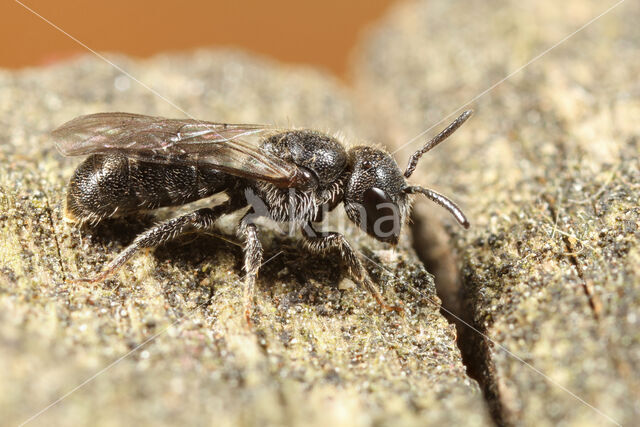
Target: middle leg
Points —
{"points": [[252, 260]]}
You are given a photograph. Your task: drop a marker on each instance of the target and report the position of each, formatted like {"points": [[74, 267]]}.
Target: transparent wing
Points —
{"points": [[232, 148]]}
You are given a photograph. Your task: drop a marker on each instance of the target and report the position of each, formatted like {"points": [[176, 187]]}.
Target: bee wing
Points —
{"points": [[232, 148]]}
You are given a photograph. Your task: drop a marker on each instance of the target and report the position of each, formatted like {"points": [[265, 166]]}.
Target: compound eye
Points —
{"points": [[383, 218]]}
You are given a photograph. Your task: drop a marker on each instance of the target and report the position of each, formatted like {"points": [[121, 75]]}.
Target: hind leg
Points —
{"points": [[202, 219]]}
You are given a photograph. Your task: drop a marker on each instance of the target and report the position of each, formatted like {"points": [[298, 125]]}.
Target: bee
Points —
{"points": [[137, 163]]}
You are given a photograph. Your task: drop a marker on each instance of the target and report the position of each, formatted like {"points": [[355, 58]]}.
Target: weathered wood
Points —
{"points": [[165, 342], [548, 173]]}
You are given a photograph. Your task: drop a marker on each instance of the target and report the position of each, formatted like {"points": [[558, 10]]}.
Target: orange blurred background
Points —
{"points": [[319, 33]]}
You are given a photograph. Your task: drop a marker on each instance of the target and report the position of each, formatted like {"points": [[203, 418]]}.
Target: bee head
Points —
{"points": [[377, 196]]}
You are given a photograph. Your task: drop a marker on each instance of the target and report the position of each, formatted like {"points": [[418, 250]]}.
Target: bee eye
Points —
{"points": [[383, 218]]}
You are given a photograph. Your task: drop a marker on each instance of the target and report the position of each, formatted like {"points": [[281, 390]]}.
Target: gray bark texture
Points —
{"points": [[548, 172], [539, 320]]}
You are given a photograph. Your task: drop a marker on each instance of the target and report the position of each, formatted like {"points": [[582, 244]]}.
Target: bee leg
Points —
{"points": [[252, 260], [321, 242], [201, 219]]}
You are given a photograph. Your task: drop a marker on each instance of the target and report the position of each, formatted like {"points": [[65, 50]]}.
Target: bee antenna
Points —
{"points": [[442, 201], [413, 161]]}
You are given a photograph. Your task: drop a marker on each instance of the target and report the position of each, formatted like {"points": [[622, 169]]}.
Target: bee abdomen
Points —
{"points": [[113, 185]]}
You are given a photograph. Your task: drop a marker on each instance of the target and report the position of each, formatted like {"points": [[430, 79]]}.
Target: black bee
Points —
{"points": [[141, 163]]}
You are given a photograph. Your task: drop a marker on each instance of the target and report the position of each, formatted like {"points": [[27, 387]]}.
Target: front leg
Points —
{"points": [[323, 242], [252, 260]]}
